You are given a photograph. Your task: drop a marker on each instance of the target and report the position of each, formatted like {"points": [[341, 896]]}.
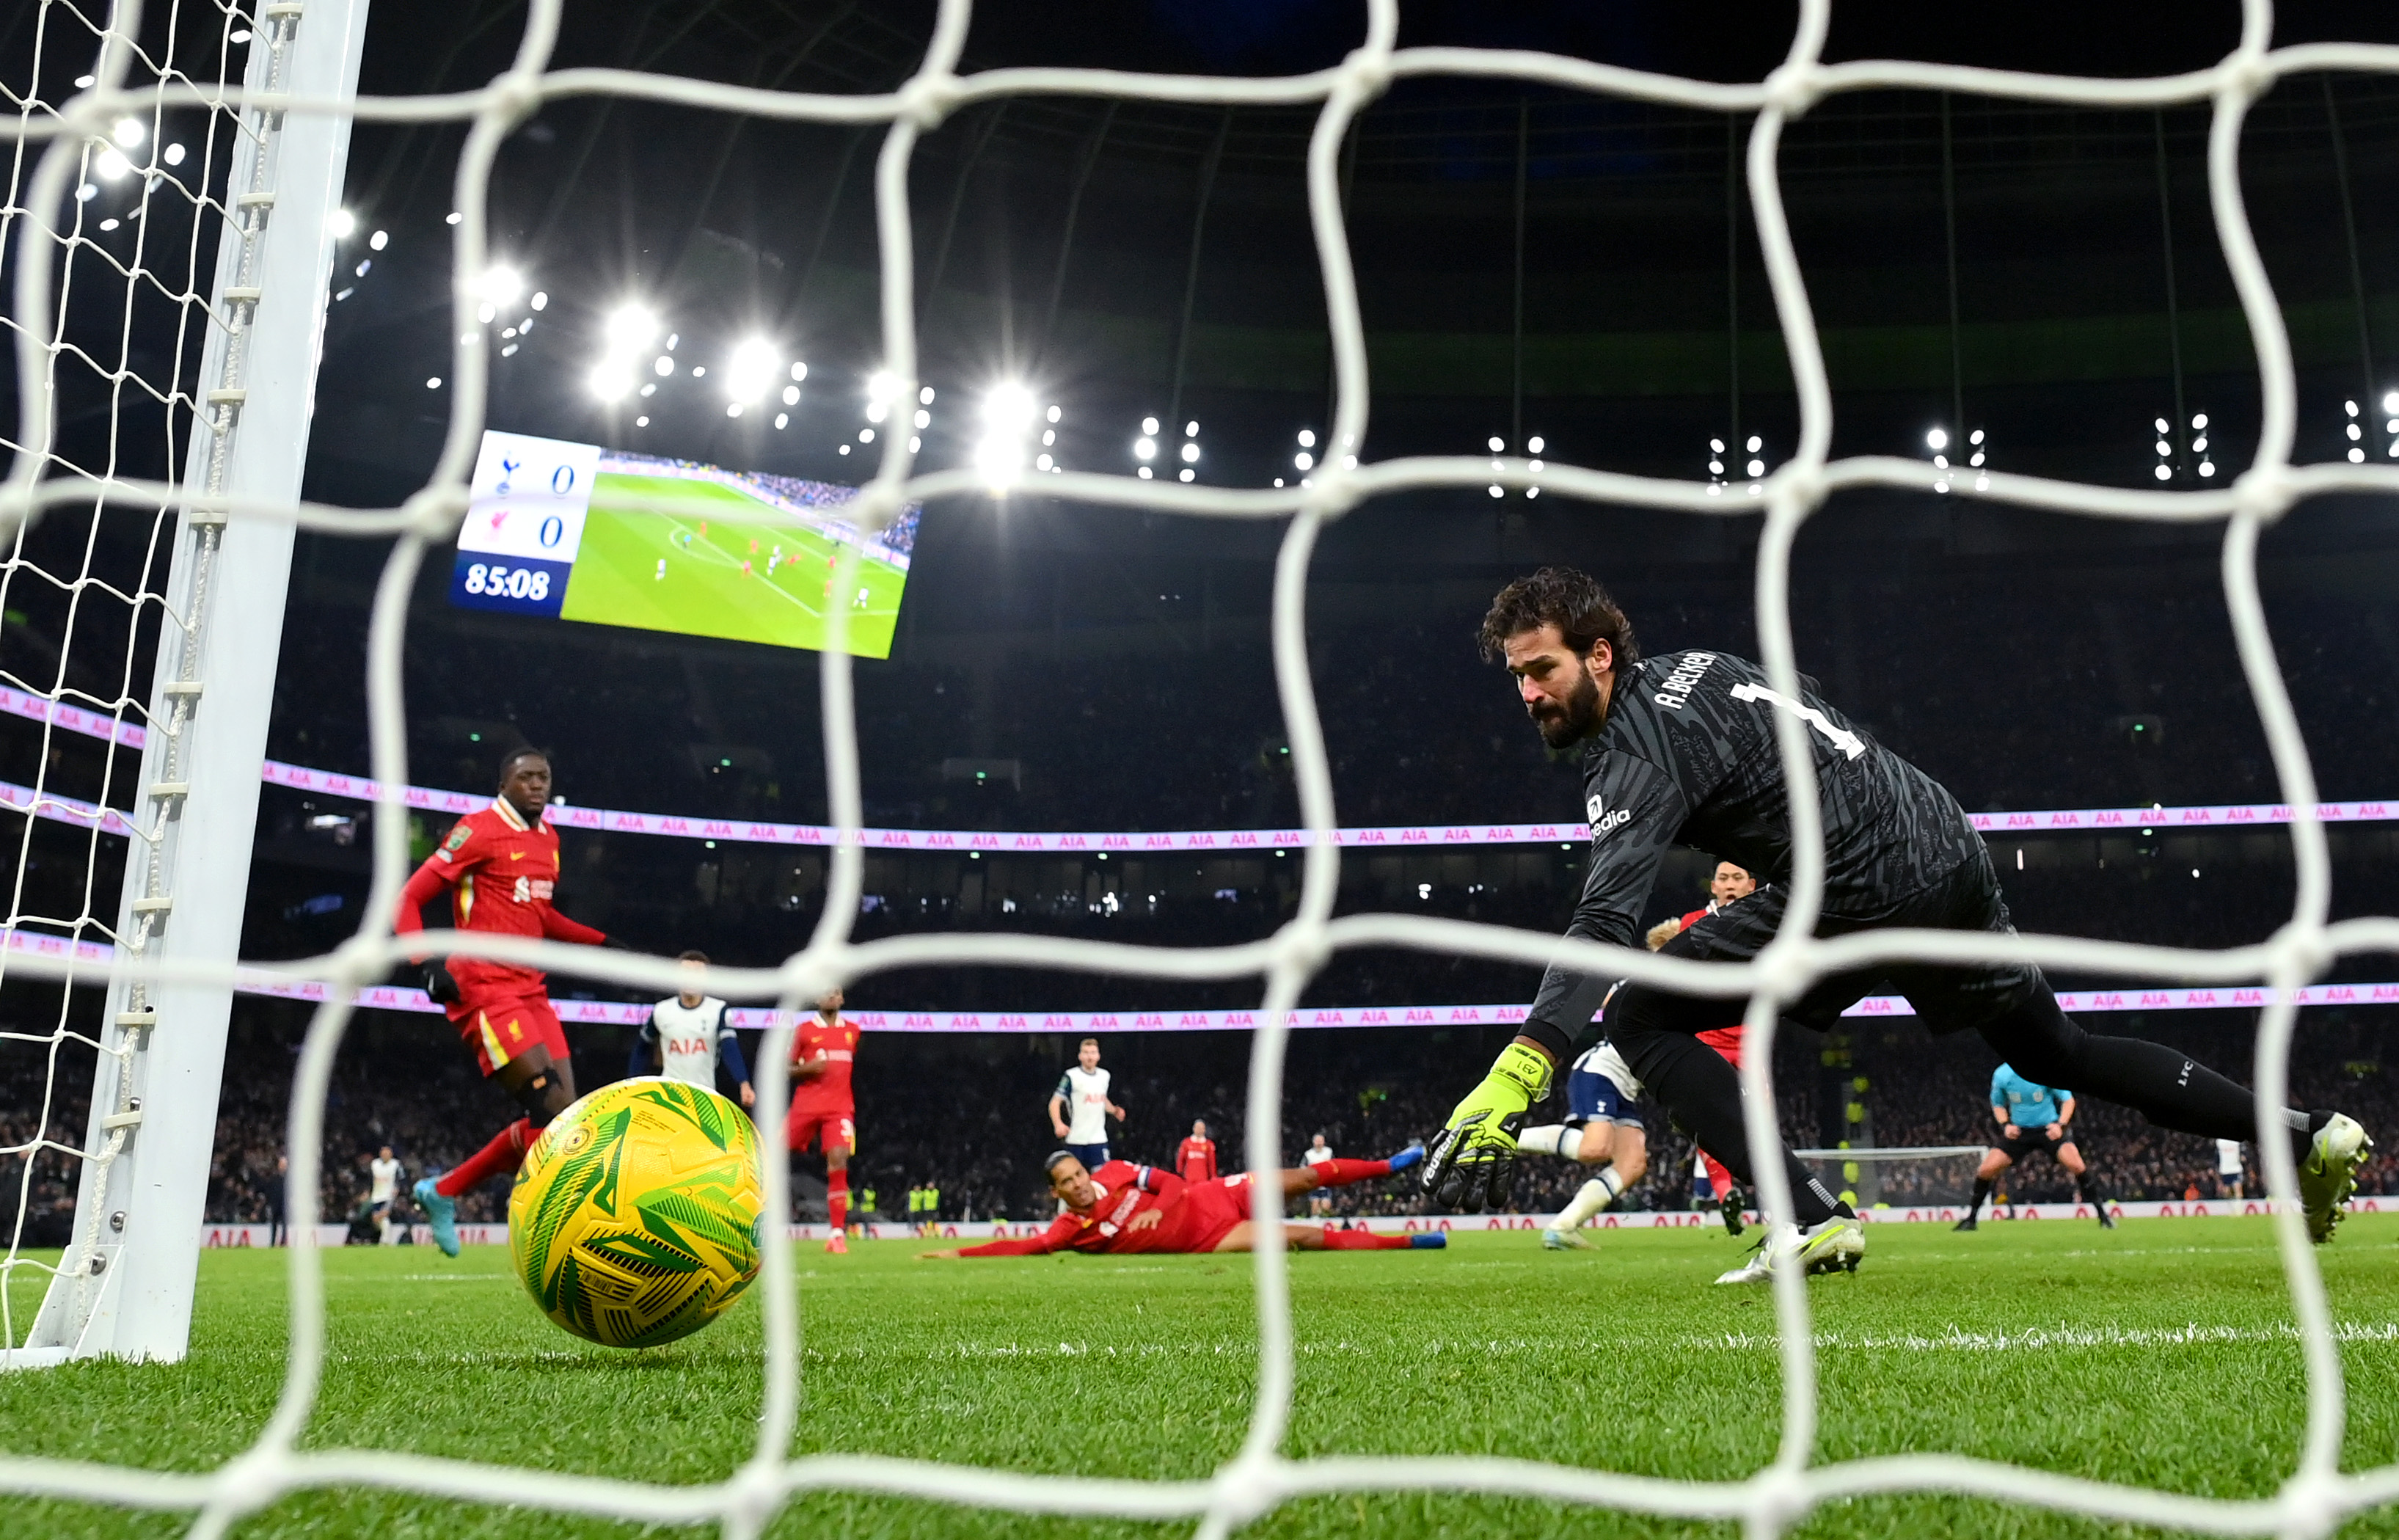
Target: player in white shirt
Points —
{"points": [[1079, 1108], [684, 1035], [2228, 1173], [1319, 1200], [383, 1175]]}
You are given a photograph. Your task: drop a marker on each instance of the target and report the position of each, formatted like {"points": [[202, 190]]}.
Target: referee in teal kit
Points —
{"points": [[2033, 1117]]}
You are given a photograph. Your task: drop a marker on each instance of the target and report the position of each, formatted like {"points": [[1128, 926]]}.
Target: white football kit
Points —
{"points": [[687, 1038], [386, 1176], [1086, 1104]]}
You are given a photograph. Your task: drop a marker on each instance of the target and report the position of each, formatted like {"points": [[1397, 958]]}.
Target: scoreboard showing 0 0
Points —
{"points": [[572, 531], [524, 523]]}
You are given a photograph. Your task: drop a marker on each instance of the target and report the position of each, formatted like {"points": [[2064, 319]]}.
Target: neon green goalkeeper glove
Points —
{"points": [[1473, 1164]]}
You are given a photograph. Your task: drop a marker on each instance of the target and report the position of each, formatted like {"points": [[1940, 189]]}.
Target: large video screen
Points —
{"points": [[580, 533]]}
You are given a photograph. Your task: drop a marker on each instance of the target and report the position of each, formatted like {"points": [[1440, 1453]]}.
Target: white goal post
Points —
{"points": [[125, 1286]]}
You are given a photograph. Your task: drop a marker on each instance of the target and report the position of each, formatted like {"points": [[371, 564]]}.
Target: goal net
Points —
{"points": [[1931, 1176], [115, 513]]}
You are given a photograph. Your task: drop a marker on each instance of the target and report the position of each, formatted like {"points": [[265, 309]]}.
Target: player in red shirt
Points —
{"points": [[823, 1111], [1123, 1208], [500, 866], [1195, 1158]]}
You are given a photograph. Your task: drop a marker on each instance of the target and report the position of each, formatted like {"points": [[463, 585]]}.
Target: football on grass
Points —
{"points": [[634, 1219]]}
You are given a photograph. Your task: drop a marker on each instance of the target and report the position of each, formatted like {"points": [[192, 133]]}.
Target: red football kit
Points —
{"points": [[502, 874], [1195, 1159], [1191, 1216], [823, 1111], [1726, 1041]]}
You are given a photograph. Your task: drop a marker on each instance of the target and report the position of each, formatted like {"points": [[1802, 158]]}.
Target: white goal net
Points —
{"points": [[69, 490]]}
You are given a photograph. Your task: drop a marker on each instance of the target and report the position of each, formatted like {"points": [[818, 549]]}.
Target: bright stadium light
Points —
{"points": [[629, 328], [1498, 443], [1191, 454], [1307, 438], [129, 132], [1145, 449], [1937, 438], [1150, 428], [111, 165], [751, 369], [881, 385], [1008, 406], [1534, 444], [341, 221], [610, 380], [499, 286]]}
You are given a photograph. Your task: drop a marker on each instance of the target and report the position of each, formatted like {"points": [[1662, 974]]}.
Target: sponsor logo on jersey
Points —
{"points": [[459, 835], [1601, 819], [1676, 692]]}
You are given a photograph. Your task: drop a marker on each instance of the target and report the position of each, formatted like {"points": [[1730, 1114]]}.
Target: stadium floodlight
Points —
{"points": [[1008, 406], [1150, 428], [750, 371], [1937, 438], [499, 286], [1303, 460], [1498, 443], [881, 385], [174, 156], [129, 132], [629, 328], [923, 418], [790, 395], [1184, 475], [1307, 438], [1535, 443], [610, 381], [112, 165], [924, 396], [1190, 454], [1145, 448], [1054, 413], [1191, 429], [799, 371], [341, 221]]}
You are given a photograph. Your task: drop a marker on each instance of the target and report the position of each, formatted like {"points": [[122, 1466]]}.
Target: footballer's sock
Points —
{"points": [[1363, 1240], [500, 1157], [2088, 1184], [1703, 1092], [1551, 1139], [1341, 1173], [1719, 1180], [1597, 1194], [1982, 1191], [837, 1199]]}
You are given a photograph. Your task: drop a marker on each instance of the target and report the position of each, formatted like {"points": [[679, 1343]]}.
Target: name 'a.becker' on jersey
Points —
{"points": [[1688, 756]]}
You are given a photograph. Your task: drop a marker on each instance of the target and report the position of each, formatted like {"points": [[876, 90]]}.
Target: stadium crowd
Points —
{"points": [[1368, 1091]]}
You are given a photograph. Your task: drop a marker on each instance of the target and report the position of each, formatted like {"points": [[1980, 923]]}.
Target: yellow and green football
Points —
{"points": [[635, 1217]]}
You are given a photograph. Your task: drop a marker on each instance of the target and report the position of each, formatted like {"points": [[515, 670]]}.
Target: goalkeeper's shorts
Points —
{"points": [[500, 1025]]}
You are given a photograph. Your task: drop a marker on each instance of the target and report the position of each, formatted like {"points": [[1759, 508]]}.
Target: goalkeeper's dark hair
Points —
{"points": [[1571, 600]]}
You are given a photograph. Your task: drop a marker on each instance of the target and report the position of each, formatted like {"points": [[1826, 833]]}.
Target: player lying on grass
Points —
{"points": [[1124, 1208], [1680, 749], [2033, 1117], [500, 866]]}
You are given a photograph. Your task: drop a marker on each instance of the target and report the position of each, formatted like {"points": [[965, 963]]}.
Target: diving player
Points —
{"points": [[1124, 1208], [501, 865], [2033, 1117], [1682, 749]]}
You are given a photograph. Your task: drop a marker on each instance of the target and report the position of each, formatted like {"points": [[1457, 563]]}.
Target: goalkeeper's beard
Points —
{"points": [[1573, 721]]}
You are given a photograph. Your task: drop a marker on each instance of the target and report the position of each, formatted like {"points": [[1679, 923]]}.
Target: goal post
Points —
{"points": [[124, 1288]]}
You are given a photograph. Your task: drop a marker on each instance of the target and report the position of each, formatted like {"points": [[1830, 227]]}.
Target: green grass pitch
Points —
{"points": [[683, 571], [2158, 1354]]}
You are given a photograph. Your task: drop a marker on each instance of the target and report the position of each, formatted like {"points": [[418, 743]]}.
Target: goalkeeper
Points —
{"points": [[1680, 749], [500, 864]]}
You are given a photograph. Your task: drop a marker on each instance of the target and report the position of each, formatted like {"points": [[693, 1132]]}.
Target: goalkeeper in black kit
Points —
{"points": [[1680, 749]]}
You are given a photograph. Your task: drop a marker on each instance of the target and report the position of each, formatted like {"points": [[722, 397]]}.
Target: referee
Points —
{"points": [[2033, 1117]]}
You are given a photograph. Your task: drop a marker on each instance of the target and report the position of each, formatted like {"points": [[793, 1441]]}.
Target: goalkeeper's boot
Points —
{"points": [[1966, 1224], [838, 1246], [442, 1213], [2328, 1175], [1407, 1157], [1556, 1239], [1834, 1245], [1729, 1207]]}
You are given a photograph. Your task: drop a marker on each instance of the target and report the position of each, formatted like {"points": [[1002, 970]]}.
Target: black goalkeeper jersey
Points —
{"points": [[1687, 757]]}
